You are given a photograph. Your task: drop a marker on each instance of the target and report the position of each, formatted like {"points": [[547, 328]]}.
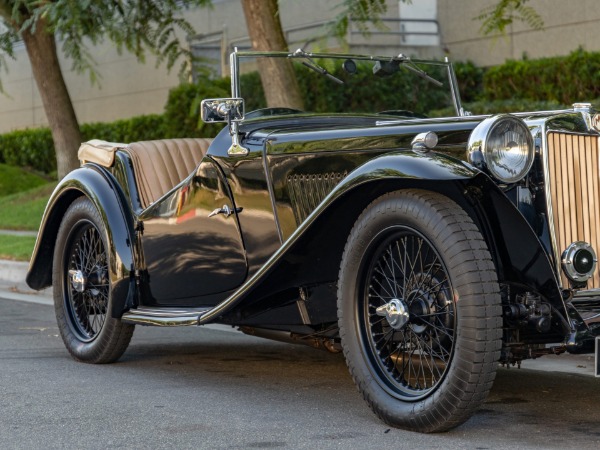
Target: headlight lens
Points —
{"points": [[506, 146]]}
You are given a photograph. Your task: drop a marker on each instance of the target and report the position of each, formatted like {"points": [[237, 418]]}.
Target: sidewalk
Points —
{"points": [[13, 287], [18, 233]]}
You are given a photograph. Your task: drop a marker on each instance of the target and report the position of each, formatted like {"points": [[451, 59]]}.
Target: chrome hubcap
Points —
{"points": [[395, 312], [78, 280]]}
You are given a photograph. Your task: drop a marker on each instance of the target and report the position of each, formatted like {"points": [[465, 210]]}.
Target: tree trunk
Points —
{"points": [[41, 49], [276, 74]]}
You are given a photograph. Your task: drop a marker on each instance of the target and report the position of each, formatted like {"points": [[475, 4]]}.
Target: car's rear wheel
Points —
{"points": [[419, 311], [82, 288]]}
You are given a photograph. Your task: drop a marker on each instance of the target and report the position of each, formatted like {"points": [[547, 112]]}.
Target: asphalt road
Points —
{"points": [[215, 388]]}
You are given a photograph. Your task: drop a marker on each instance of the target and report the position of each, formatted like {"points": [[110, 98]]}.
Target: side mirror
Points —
{"points": [[222, 110], [230, 110]]}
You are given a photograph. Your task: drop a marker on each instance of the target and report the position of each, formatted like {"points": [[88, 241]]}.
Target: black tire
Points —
{"points": [[419, 253], [83, 305]]}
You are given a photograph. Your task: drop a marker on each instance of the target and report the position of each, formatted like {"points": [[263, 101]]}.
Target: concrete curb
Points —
{"points": [[13, 271], [13, 286], [18, 233]]}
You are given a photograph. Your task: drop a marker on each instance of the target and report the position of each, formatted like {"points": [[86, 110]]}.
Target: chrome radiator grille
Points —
{"points": [[574, 194]]}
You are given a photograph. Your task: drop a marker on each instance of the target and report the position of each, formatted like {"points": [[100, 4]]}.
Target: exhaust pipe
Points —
{"points": [[317, 342]]}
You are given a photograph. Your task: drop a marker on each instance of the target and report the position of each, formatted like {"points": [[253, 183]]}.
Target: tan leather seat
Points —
{"points": [[161, 165]]}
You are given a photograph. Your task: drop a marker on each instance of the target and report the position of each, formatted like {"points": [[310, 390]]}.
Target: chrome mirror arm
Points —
{"points": [[236, 148]]}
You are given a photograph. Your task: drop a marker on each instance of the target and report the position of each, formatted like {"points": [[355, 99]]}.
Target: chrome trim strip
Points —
{"points": [[164, 317], [269, 178], [469, 118], [593, 318], [293, 54], [548, 193], [454, 88], [589, 293], [573, 133], [235, 73], [597, 356]]}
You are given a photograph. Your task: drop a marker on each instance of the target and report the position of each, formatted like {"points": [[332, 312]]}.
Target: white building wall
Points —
{"points": [[128, 88], [567, 26]]}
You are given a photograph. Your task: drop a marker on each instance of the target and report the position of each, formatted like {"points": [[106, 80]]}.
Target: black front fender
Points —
{"points": [[406, 165], [98, 185], [521, 258], [312, 254], [519, 255]]}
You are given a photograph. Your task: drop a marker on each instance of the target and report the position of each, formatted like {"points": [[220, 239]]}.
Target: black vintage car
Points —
{"points": [[429, 250]]}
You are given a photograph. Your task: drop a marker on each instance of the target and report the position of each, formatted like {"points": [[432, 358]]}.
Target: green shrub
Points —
{"points": [[501, 106], [28, 148], [139, 128], [565, 79], [252, 91], [541, 84], [182, 111], [34, 147], [470, 80]]}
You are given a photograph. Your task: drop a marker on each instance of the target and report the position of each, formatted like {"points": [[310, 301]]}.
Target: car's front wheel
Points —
{"points": [[82, 288], [419, 311]]}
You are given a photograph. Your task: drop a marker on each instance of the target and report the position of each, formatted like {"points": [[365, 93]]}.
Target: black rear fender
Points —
{"points": [[98, 185]]}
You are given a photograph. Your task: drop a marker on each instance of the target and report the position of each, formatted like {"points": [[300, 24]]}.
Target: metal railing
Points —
{"points": [[217, 46]]}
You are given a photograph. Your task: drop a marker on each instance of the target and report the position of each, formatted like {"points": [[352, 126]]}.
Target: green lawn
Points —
{"points": [[23, 211], [16, 248], [15, 179], [23, 197]]}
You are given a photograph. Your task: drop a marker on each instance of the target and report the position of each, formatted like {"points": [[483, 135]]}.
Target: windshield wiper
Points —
{"points": [[314, 66], [385, 68]]}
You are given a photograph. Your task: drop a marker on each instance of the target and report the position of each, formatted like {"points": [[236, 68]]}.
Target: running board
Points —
{"points": [[164, 317]]}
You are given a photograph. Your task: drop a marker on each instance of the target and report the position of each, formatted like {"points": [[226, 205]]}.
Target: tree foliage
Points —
{"points": [[495, 18], [136, 26], [360, 12]]}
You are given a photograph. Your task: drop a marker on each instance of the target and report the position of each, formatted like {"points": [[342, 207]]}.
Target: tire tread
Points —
{"points": [[114, 337], [479, 335]]}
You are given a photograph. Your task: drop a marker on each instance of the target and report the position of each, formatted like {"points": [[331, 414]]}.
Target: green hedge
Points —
{"points": [[138, 128], [501, 106], [470, 80], [567, 79], [542, 84], [182, 111], [28, 148], [34, 147]]}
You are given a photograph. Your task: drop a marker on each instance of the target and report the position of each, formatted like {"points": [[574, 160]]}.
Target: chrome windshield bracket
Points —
{"points": [[236, 148]]}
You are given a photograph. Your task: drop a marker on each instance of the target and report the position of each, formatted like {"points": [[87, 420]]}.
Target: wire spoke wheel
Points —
{"points": [[83, 293], [419, 311], [407, 273], [86, 282]]}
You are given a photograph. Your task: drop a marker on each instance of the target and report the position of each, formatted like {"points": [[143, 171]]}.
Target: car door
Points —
{"points": [[192, 244]]}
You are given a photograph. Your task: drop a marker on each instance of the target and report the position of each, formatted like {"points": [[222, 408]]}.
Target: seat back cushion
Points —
{"points": [[161, 165]]}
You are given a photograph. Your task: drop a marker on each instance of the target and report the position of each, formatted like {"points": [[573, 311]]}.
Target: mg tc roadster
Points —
{"points": [[428, 249]]}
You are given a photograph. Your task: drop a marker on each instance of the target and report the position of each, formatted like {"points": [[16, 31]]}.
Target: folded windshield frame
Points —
{"points": [[300, 55]]}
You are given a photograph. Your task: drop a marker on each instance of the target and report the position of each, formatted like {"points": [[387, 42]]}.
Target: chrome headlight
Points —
{"points": [[503, 146]]}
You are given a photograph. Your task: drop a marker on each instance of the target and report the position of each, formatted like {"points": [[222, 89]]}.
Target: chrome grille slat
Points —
{"points": [[574, 193], [307, 191]]}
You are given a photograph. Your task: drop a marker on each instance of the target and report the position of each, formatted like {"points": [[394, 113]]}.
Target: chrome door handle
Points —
{"points": [[226, 211]]}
